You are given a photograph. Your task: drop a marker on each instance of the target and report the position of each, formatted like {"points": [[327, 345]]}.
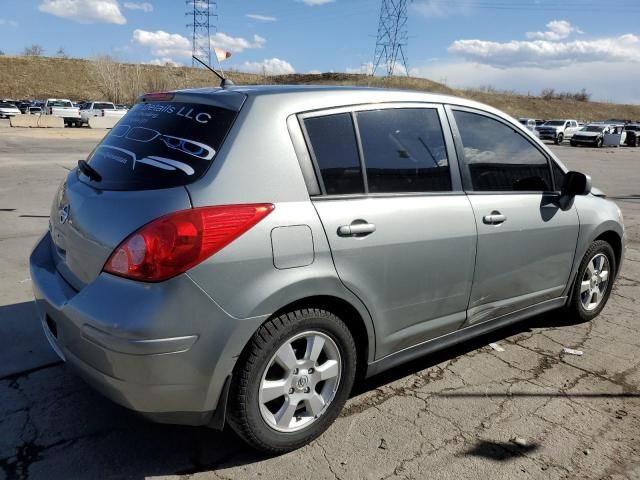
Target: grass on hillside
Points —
{"points": [[42, 77]]}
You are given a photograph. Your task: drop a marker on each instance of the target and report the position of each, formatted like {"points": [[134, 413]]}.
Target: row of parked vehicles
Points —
{"points": [[74, 114], [611, 132]]}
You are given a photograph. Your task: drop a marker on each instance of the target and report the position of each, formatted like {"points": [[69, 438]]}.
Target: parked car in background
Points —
{"points": [[591, 135], [243, 253], [557, 130], [633, 135], [34, 111], [23, 106], [63, 108], [100, 109], [530, 124], [8, 110]]}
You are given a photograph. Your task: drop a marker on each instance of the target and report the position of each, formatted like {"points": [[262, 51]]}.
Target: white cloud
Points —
{"points": [[607, 81], [85, 11], [146, 7], [367, 69], [270, 66], [557, 30], [438, 8], [314, 72], [261, 18], [163, 44], [236, 44], [312, 3], [544, 53], [10, 23], [165, 61]]}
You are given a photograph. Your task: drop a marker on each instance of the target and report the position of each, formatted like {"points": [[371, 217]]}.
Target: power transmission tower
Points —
{"points": [[201, 13], [392, 38]]}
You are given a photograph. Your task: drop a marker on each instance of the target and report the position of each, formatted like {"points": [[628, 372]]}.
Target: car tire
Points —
{"points": [[559, 139], [573, 144], [256, 415], [599, 142], [582, 306]]}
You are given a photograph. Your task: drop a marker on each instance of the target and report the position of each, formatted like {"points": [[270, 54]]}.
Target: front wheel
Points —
{"points": [[559, 139], [292, 380], [594, 281]]}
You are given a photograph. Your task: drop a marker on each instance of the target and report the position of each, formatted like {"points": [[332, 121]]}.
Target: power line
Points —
{"points": [[392, 38], [201, 12]]}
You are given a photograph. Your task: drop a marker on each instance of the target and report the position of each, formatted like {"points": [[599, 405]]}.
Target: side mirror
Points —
{"points": [[576, 183]]}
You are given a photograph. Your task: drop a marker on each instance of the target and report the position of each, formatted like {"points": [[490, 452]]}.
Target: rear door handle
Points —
{"points": [[496, 218], [356, 229]]}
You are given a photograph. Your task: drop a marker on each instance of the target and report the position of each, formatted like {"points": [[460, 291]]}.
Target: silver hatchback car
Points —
{"points": [[242, 254]]}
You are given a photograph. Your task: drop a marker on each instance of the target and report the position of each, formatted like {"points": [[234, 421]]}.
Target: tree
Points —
{"points": [[62, 53], [34, 50]]}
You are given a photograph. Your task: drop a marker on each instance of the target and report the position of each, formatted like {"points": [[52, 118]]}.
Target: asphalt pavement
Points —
{"points": [[529, 411]]}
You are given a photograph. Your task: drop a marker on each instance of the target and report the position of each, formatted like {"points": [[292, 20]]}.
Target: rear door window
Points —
{"points": [[334, 146], [160, 145], [404, 150]]}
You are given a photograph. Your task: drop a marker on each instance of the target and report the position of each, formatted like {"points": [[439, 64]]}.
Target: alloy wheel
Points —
{"points": [[594, 282], [300, 381]]}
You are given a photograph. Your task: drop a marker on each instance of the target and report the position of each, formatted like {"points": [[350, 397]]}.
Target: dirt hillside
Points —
{"points": [[42, 77]]}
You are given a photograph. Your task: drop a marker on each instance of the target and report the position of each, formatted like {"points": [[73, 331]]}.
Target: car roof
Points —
{"points": [[327, 96]]}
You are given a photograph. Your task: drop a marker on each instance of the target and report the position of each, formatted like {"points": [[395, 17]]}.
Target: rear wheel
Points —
{"points": [[594, 281], [292, 380]]}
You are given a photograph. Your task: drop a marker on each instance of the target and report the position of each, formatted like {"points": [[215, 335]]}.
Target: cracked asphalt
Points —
{"points": [[530, 411]]}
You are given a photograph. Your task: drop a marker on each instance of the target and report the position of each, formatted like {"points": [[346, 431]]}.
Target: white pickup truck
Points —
{"points": [[100, 109], [63, 108], [558, 130]]}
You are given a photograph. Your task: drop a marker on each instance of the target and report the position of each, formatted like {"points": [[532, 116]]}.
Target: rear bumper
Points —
{"points": [[165, 350]]}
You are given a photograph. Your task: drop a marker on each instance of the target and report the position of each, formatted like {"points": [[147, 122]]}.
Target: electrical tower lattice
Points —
{"points": [[392, 38], [202, 12]]}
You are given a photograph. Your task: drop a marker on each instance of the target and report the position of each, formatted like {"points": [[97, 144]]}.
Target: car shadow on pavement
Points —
{"points": [[54, 424]]}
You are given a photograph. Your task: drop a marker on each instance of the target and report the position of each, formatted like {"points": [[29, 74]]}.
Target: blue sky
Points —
{"points": [[521, 45]]}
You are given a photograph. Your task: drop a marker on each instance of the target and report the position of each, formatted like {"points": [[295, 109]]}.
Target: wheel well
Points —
{"points": [[613, 239], [348, 313]]}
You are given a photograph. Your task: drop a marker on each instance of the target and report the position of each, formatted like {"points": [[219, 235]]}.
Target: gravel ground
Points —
{"points": [[529, 411]]}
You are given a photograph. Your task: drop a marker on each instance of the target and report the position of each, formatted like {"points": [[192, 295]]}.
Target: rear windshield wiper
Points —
{"points": [[89, 171]]}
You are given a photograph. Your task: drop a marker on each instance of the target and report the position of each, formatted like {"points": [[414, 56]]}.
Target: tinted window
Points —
{"points": [[334, 145], [104, 106], [500, 159], [160, 145], [404, 150]]}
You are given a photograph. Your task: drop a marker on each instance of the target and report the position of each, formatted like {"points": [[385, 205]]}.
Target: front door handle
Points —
{"points": [[356, 229], [496, 218]]}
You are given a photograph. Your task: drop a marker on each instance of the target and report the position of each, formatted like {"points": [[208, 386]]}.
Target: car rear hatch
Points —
{"points": [[164, 143]]}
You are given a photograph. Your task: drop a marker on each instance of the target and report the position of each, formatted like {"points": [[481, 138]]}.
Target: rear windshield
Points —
{"points": [[7, 105], [104, 106], [160, 145], [554, 123], [59, 103]]}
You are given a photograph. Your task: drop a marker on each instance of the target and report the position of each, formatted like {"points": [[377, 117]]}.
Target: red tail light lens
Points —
{"points": [[174, 243]]}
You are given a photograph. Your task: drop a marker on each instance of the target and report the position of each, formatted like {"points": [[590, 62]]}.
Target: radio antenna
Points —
{"points": [[223, 81]]}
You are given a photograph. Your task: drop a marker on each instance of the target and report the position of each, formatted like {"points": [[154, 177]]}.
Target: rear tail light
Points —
{"points": [[174, 243]]}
